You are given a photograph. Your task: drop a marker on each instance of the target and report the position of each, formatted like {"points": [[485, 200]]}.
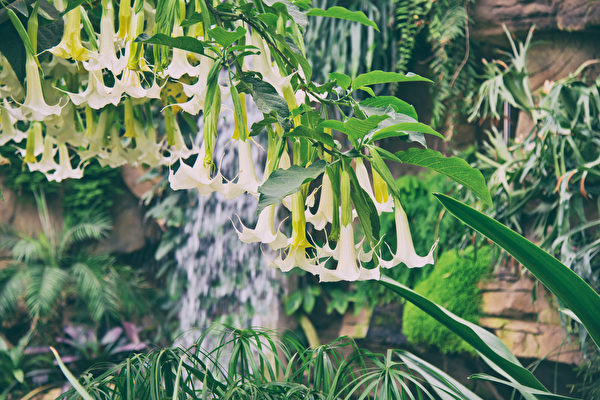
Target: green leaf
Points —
{"points": [[293, 302], [521, 388], [572, 291], [70, 377], [403, 128], [318, 135], [367, 213], [226, 38], [343, 13], [283, 182], [398, 105], [342, 80], [353, 127], [192, 20], [266, 97], [308, 303], [443, 384], [486, 343], [181, 42], [454, 168], [378, 77]]}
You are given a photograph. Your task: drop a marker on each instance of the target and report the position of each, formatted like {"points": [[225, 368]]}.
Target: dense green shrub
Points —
{"points": [[452, 284]]}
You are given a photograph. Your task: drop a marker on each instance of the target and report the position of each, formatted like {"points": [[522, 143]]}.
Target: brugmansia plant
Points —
{"points": [[133, 93]]}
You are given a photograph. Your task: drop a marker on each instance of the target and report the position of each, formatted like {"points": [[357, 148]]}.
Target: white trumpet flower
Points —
{"points": [[131, 84], [34, 107], [64, 170], [348, 266], [9, 83], [247, 179], [324, 213], [265, 231], [198, 176], [405, 250], [381, 204], [96, 95], [8, 131], [180, 65], [70, 45], [47, 163], [106, 57]]}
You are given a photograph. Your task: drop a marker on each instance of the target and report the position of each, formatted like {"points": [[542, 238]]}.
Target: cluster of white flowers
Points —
{"points": [[99, 99]]}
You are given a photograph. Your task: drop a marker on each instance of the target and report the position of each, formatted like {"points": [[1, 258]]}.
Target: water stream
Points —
{"points": [[227, 280]]}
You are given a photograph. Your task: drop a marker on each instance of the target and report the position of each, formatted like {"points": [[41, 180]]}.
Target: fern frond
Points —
{"points": [[45, 286]]}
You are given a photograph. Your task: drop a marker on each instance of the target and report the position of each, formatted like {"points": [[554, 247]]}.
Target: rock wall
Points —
{"points": [[130, 231], [524, 316]]}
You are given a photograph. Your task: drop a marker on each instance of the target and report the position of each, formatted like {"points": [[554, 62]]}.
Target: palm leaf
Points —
{"points": [[45, 286], [95, 289]]}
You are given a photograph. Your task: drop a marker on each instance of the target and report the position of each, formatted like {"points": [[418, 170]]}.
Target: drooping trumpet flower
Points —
{"points": [[34, 107], [295, 253], [64, 170], [324, 213], [9, 83], [383, 202], [405, 250], [106, 57], [265, 231], [8, 131], [47, 163], [97, 94], [70, 46], [180, 65], [348, 264]]}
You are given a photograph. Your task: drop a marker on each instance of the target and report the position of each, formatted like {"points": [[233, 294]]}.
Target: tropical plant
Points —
{"points": [[453, 283], [255, 364], [54, 266]]}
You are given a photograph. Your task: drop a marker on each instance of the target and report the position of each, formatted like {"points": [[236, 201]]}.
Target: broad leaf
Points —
{"points": [[486, 343], [181, 42], [570, 289], [398, 105], [455, 168], [378, 77], [318, 135], [404, 128], [342, 80], [343, 13], [266, 98], [283, 182], [226, 38]]}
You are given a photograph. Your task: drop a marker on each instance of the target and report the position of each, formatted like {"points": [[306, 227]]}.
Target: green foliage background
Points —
{"points": [[452, 284]]}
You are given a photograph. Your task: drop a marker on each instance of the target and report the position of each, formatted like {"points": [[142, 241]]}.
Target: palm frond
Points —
{"points": [[13, 290], [28, 249], [94, 229], [45, 286], [95, 289]]}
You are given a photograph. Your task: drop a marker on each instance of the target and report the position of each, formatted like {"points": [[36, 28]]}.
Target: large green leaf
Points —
{"points": [[398, 105], [453, 167], [343, 13], [486, 343], [403, 128], [570, 289], [283, 182], [181, 42], [226, 38], [377, 77]]}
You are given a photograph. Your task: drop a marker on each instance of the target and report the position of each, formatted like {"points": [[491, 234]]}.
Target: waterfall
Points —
{"points": [[227, 281]]}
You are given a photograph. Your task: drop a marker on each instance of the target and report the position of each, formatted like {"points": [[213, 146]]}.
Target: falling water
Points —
{"points": [[227, 280]]}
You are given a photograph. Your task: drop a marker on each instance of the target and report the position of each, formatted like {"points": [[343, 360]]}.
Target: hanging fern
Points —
{"points": [[410, 19]]}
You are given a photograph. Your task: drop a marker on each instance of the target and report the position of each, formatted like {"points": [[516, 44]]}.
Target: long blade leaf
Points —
{"points": [[570, 289]]}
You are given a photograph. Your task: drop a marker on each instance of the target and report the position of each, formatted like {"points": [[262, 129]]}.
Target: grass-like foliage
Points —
{"points": [[256, 364], [453, 284]]}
